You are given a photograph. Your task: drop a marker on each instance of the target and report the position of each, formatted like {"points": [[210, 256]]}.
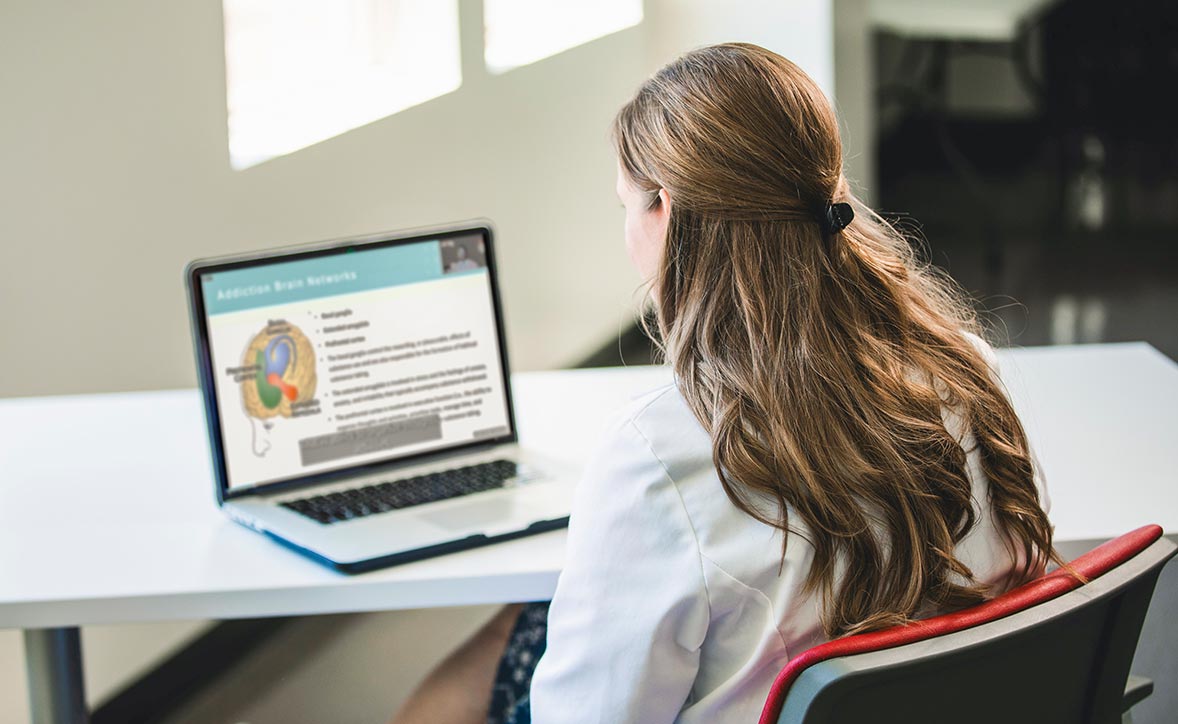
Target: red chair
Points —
{"points": [[1051, 651]]}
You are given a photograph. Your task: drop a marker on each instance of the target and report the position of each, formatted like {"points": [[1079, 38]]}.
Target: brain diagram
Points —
{"points": [[285, 371]]}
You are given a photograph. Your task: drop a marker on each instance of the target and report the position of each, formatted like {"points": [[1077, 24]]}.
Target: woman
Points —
{"points": [[836, 454]]}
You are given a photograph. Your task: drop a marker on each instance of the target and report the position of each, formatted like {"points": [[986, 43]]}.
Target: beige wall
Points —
{"points": [[117, 174], [854, 90], [114, 173]]}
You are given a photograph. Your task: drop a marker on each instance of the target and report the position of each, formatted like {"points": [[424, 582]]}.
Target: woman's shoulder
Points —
{"points": [[661, 422], [984, 348], [652, 447], [656, 397]]}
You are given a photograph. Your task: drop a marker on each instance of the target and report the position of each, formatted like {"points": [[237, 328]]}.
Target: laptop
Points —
{"points": [[358, 399]]}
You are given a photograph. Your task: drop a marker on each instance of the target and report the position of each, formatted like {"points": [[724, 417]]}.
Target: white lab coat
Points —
{"points": [[671, 606]]}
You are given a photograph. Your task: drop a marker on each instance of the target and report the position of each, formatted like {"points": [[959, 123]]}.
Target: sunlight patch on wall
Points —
{"points": [[519, 32], [301, 71]]}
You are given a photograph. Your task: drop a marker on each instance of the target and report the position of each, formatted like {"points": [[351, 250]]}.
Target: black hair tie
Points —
{"points": [[838, 217]]}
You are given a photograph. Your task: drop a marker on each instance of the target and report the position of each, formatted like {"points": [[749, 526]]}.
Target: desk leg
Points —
{"points": [[53, 658]]}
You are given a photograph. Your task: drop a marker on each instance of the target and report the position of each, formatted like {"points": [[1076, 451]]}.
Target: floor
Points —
{"points": [[1081, 291], [342, 669], [1031, 293]]}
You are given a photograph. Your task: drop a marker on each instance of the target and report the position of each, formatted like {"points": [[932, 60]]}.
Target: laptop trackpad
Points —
{"points": [[475, 515]]}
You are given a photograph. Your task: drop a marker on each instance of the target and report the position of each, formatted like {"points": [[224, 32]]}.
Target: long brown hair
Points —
{"points": [[820, 363]]}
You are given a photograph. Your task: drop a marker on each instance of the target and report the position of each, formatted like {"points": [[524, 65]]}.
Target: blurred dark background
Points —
{"points": [[1040, 170]]}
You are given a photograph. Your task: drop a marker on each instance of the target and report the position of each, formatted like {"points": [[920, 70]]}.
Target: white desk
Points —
{"points": [[107, 512]]}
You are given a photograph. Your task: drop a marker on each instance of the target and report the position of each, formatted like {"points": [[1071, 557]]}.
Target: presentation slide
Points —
{"points": [[353, 357]]}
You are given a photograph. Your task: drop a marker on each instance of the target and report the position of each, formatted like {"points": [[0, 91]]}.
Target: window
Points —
{"points": [[301, 71], [519, 32]]}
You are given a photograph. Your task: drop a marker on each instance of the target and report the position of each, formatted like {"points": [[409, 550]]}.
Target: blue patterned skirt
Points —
{"points": [[510, 697]]}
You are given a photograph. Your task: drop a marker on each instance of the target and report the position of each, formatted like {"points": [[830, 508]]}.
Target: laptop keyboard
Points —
{"points": [[395, 494]]}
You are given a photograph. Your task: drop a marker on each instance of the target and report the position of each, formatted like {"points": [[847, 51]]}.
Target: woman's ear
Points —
{"points": [[665, 200], [662, 212]]}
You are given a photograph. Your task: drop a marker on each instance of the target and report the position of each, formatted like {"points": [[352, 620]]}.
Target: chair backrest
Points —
{"points": [[1052, 650]]}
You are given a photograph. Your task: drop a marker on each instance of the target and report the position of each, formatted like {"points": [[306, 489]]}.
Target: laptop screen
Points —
{"points": [[354, 356]]}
